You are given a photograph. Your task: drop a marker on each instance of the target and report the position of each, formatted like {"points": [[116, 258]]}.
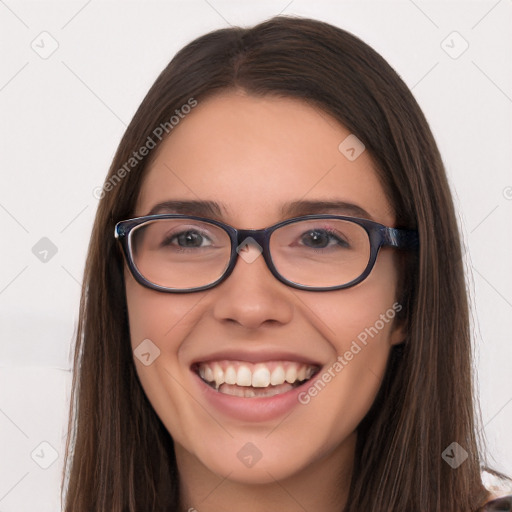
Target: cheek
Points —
{"points": [[161, 317], [359, 324], [159, 323], [343, 315]]}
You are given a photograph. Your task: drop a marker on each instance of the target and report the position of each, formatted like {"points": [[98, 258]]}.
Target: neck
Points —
{"points": [[321, 485]]}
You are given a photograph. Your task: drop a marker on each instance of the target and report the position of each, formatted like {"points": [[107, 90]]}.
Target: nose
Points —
{"points": [[251, 296]]}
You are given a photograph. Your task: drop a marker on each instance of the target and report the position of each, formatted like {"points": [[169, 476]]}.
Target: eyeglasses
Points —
{"points": [[181, 253]]}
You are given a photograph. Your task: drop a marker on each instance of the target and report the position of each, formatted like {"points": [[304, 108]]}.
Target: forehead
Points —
{"points": [[253, 155]]}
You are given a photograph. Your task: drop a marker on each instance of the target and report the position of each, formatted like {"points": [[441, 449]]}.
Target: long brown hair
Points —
{"points": [[119, 455]]}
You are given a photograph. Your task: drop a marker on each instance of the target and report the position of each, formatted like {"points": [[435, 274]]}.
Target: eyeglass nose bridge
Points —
{"points": [[260, 236], [243, 237]]}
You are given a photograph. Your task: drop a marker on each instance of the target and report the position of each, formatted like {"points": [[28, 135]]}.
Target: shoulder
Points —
{"points": [[503, 504], [500, 492]]}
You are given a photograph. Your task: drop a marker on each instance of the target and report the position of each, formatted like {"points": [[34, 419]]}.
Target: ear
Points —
{"points": [[398, 332]]}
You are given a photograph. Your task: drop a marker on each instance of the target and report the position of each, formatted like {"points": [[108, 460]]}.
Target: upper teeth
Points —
{"points": [[258, 375]]}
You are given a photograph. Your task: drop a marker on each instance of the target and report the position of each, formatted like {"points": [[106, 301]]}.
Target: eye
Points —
{"points": [[321, 238], [187, 239]]}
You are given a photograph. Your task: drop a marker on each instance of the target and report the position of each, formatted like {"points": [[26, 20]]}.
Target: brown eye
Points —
{"points": [[186, 239], [320, 239]]}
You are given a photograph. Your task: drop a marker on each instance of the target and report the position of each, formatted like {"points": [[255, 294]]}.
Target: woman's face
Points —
{"points": [[254, 157]]}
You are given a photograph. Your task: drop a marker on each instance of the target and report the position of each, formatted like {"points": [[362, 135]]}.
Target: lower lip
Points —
{"points": [[252, 409]]}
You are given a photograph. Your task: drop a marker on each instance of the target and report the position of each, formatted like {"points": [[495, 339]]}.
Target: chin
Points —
{"points": [[257, 462]]}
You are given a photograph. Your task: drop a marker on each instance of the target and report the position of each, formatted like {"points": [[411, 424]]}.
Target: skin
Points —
{"points": [[252, 155]]}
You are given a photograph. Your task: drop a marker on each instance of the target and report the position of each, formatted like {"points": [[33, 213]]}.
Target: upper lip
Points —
{"points": [[255, 356]]}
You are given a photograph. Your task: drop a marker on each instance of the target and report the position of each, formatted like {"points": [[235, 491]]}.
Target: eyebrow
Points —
{"points": [[290, 209], [198, 208], [298, 208]]}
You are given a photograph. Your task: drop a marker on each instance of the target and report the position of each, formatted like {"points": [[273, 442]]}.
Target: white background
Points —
{"points": [[62, 118]]}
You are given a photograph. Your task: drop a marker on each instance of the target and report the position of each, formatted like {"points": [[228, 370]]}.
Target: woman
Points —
{"points": [[274, 313]]}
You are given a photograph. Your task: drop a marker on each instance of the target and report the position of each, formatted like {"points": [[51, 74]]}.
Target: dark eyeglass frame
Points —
{"points": [[379, 236]]}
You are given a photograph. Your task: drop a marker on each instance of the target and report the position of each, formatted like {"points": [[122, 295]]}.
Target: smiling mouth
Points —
{"points": [[259, 380]]}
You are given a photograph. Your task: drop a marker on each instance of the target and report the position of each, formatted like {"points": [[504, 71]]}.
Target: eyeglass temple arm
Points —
{"points": [[401, 238]]}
